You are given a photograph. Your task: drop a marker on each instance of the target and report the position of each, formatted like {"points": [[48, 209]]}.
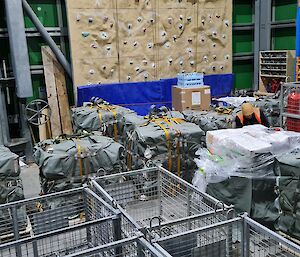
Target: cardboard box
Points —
{"points": [[191, 98]]}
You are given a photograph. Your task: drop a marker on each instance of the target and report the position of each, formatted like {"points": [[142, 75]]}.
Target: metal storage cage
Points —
{"points": [[61, 223], [290, 106], [160, 202], [132, 247], [239, 237]]}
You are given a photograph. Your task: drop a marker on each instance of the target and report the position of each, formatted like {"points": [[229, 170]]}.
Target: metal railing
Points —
{"points": [[59, 224], [238, 237], [159, 202]]}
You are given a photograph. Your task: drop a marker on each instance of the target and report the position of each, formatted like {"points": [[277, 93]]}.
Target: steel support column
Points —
{"points": [[262, 33], [18, 47]]}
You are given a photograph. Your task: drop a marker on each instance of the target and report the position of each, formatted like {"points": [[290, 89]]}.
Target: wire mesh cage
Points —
{"points": [[160, 202], [132, 247], [290, 106], [238, 237], [60, 224]]}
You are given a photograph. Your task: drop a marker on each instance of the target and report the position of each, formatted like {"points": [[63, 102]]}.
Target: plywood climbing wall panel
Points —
{"points": [[140, 40]]}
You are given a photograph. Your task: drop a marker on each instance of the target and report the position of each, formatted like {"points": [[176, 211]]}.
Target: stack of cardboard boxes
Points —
{"points": [[191, 93]]}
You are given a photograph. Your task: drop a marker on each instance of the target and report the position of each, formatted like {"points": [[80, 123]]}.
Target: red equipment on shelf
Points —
{"points": [[293, 107]]}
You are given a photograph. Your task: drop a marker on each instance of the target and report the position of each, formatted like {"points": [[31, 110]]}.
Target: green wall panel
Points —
{"points": [[45, 10], [242, 11], [243, 41], [34, 48], [37, 83], [243, 71], [284, 39], [284, 10]]}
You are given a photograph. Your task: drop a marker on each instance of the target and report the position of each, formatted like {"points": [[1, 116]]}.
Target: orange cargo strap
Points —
{"points": [[256, 113]]}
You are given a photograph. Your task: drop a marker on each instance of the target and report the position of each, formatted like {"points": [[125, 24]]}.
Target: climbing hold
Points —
{"points": [[150, 45], [170, 60], [170, 20], [167, 45], [145, 62], [190, 40], [128, 77], [218, 16], [85, 34], [174, 37], [224, 36], [153, 65], [221, 67], [135, 43], [144, 30], [213, 68], [105, 19], [92, 71], [103, 67], [181, 62], [152, 20], [189, 19], [130, 62], [214, 57], [139, 19], [205, 58], [181, 17], [214, 33], [226, 22], [108, 48], [103, 35], [94, 45], [189, 50], [192, 63], [163, 33], [125, 42], [227, 57], [146, 75], [214, 44], [137, 69], [112, 70], [180, 26], [91, 19], [78, 17], [129, 26]]}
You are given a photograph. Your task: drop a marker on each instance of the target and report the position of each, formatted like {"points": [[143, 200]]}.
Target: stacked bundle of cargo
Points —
{"points": [[243, 174], [11, 188], [67, 163], [163, 137], [99, 115], [209, 121]]}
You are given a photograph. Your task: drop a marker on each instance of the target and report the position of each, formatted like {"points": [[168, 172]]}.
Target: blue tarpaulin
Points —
{"points": [[139, 96]]}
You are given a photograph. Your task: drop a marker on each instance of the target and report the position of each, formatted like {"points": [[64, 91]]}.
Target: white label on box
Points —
{"points": [[196, 98], [207, 91]]}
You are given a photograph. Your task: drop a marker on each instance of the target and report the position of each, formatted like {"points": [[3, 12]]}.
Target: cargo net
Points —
{"points": [[290, 100], [229, 238], [162, 202], [60, 224], [127, 248]]}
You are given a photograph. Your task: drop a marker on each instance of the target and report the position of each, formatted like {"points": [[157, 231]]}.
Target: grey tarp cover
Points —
{"points": [[288, 166], [59, 160], [148, 145], [88, 118], [9, 163], [209, 121], [289, 202], [271, 109], [254, 195]]}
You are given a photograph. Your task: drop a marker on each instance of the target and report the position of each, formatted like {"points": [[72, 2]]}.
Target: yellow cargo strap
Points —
{"points": [[115, 125], [168, 142], [129, 155], [80, 159], [109, 109], [100, 118]]}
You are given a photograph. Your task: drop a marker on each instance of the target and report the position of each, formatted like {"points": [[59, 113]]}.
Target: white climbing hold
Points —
{"points": [[163, 33], [137, 69], [103, 67], [130, 62], [128, 77], [150, 45], [167, 45], [146, 75], [129, 26], [112, 70], [180, 16], [181, 62], [92, 71], [103, 35], [145, 62], [108, 48], [189, 19], [180, 26], [139, 19], [170, 20], [153, 65], [91, 19], [135, 43], [192, 63], [78, 17], [85, 34]]}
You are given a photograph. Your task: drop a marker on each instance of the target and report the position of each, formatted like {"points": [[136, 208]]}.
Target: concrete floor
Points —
{"points": [[30, 179]]}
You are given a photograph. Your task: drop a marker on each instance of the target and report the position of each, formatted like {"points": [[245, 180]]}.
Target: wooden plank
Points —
{"points": [[61, 89], [59, 81], [43, 127], [51, 91]]}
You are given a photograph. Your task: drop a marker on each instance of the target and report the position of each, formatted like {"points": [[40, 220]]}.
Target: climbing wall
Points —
{"points": [[140, 40]]}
